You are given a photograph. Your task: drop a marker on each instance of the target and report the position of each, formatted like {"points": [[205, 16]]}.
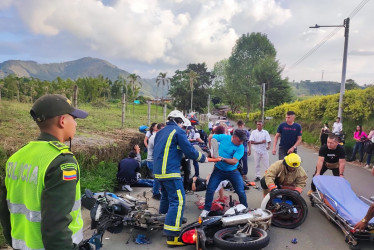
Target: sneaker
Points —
{"points": [[198, 149], [204, 213], [214, 149], [257, 179], [126, 188], [310, 192], [174, 241], [367, 166], [156, 196]]}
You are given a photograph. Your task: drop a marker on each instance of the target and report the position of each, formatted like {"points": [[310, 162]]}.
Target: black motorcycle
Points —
{"points": [[289, 209], [112, 213]]}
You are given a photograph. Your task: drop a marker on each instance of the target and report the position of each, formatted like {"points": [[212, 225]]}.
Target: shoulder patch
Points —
{"points": [[61, 147], [69, 171]]}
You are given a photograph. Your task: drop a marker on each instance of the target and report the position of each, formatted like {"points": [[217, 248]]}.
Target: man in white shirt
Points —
{"points": [[337, 127], [260, 139], [210, 126]]}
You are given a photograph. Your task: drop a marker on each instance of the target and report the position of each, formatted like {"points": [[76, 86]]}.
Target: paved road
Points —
{"points": [[316, 232]]}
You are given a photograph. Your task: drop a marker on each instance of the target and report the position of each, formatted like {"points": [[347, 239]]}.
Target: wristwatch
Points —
{"points": [[223, 159], [294, 147], [364, 220]]}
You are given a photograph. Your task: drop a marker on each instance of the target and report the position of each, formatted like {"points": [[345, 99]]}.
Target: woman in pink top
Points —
{"points": [[359, 136]]}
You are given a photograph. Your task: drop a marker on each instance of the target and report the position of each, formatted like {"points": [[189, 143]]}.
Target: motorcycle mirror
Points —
{"points": [[88, 193], [231, 203]]}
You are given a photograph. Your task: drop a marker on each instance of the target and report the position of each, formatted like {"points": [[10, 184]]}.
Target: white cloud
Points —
{"points": [[168, 34]]}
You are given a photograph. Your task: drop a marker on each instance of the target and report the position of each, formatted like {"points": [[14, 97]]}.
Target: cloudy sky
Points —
{"points": [[151, 36]]}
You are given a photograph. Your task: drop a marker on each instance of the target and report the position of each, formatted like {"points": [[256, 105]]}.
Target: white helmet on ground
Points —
{"points": [[178, 114]]}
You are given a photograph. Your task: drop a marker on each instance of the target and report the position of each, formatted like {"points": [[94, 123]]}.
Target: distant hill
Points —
{"points": [[84, 67], [309, 88]]}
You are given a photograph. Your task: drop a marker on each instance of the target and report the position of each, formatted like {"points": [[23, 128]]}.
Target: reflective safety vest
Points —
{"points": [[25, 173]]}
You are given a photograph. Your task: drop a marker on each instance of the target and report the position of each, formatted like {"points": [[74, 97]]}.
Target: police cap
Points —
{"points": [[49, 106]]}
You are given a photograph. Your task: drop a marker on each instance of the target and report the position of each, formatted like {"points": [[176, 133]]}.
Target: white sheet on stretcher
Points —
{"points": [[349, 205]]}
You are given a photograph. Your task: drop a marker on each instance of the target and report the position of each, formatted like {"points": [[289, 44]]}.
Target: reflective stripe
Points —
{"points": [[173, 175], [171, 228], [77, 237], [200, 155], [76, 206], [180, 207], [166, 152], [271, 186], [33, 216], [20, 244]]}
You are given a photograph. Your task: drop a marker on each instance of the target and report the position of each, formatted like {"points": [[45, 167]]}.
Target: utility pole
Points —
{"points": [[208, 103], [344, 67], [263, 103]]}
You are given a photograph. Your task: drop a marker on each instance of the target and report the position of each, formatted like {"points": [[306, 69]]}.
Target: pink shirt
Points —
{"points": [[357, 136]]}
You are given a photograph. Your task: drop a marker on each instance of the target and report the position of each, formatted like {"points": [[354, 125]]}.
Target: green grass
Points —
{"points": [[101, 178]]}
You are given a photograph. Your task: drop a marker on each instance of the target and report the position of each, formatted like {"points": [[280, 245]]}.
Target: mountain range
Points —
{"points": [[84, 67]]}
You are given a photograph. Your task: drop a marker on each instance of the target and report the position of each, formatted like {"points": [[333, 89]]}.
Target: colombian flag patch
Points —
{"points": [[69, 175]]}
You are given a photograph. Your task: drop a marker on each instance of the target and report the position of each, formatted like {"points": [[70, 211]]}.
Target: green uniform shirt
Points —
{"points": [[57, 200]]}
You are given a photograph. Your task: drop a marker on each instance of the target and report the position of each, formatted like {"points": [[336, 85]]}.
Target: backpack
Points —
{"points": [[203, 135]]}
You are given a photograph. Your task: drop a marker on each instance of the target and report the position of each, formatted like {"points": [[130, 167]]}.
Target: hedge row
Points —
{"points": [[358, 105]]}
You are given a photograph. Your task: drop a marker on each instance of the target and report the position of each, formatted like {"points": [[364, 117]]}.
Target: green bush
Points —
{"points": [[101, 178]]}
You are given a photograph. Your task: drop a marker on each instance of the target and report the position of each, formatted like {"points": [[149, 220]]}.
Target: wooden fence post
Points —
{"points": [[123, 109], [75, 96], [149, 113]]}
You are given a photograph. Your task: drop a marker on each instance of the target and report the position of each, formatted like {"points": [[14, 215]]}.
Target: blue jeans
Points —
{"points": [[358, 147], [172, 204], [196, 167], [219, 175], [143, 183], [368, 159], [244, 161], [156, 183]]}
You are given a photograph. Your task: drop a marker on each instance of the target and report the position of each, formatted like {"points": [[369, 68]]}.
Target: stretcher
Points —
{"points": [[335, 197]]}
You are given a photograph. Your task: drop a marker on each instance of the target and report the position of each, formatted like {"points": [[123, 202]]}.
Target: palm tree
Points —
{"points": [[161, 79], [193, 78], [133, 81]]}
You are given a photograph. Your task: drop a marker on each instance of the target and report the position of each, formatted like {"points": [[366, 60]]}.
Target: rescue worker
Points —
{"points": [[170, 143], [40, 202], [285, 174]]}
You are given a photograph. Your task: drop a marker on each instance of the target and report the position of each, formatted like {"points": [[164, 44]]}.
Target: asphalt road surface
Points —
{"points": [[315, 233]]}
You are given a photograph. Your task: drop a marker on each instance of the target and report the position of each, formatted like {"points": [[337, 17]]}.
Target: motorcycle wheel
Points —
{"points": [[228, 238], [282, 212]]}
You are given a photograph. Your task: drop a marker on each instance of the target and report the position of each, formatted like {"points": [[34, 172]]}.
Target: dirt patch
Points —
{"points": [[92, 146]]}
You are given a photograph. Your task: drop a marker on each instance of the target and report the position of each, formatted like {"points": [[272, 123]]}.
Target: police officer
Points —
{"points": [[170, 143], [40, 203]]}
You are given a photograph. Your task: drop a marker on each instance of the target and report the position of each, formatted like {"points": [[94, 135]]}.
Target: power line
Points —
{"points": [[328, 37]]}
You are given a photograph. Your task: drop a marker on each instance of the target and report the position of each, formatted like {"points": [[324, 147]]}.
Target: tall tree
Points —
{"points": [[133, 78], [180, 87], [164, 81], [252, 56]]}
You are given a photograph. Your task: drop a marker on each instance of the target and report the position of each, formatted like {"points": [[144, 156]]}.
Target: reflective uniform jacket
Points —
{"points": [[295, 180], [170, 143], [42, 195]]}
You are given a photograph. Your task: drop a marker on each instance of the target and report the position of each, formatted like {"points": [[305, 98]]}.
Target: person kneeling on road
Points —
{"points": [[231, 150], [330, 156], [170, 144], [128, 173], [285, 174]]}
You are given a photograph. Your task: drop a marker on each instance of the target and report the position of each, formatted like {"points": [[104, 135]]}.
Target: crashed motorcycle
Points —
{"points": [[289, 209], [238, 228], [112, 213]]}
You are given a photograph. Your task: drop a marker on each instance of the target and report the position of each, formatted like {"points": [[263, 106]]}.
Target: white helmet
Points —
{"points": [[187, 123], [178, 114]]}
